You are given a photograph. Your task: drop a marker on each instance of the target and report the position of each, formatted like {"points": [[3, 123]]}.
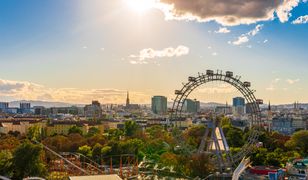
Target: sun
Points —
{"points": [[141, 6]]}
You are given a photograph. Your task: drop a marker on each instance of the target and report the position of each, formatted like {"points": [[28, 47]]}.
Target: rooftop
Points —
{"points": [[96, 177]]}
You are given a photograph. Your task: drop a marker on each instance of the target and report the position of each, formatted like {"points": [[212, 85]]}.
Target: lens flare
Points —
{"points": [[141, 6]]}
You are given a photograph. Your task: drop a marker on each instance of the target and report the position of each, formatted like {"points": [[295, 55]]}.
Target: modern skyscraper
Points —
{"points": [[25, 108], [159, 104], [238, 101], [4, 106], [249, 108], [238, 105], [191, 106]]}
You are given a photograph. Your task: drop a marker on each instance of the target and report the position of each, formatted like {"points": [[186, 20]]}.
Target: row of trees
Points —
{"points": [[276, 148], [21, 159], [170, 148]]}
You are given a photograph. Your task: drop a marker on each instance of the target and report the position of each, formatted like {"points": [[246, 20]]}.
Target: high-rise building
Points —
{"points": [[191, 106], [238, 105], [4, 106], [159, 104], [25, 108], [24, 105], [238, 101], [226, 109], [250, 108], [39, 110], [93, 110]]}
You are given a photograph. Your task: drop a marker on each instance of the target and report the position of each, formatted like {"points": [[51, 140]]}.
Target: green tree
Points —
{"points": [[194, 135], [27, 161], [9, 142], [105, 150], [75, 130], [169, 159], [130, 128], [75, 141], [299, 142], [274, 158], [93, 131], [98, 138], [234, 150], [131, 146], [225, 121], [234, 136], [156, 132], [6, 168], [115, 134], [259, 156], [85, 150], [154, 148], [97, 151], [34, 133], [58, 143], [199, 165]]}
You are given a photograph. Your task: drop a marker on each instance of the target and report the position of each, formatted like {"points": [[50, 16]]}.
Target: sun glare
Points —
{"points": [[141, 5]]}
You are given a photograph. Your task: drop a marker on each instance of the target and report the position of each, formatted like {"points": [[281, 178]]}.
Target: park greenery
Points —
{"points": [[21, 157]]}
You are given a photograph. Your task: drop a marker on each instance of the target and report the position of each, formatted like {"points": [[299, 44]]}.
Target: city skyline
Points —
{"points": [[76, 51]]}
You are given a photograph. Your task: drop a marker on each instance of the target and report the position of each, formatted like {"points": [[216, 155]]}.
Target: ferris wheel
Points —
{"points": [[213, 137]]}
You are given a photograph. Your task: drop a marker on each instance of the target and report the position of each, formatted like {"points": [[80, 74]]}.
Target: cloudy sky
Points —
{"points": [[78, 50]]}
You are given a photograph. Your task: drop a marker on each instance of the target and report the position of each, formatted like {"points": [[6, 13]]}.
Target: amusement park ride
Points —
{"points": [[213, 141], [213, 138]]}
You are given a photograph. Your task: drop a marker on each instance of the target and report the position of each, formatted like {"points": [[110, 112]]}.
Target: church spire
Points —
{"points": [[269, 106], [127, 99]]}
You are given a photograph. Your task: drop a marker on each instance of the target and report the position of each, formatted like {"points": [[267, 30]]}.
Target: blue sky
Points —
{"points": [[79, 50]]}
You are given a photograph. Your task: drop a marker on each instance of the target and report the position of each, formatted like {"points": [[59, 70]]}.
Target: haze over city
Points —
{"points": [[153, 89], [74, 51]]}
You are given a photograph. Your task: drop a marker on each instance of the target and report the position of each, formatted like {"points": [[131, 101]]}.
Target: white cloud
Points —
{"points": [[256, 30], [270, 88], [284, 10], [85, 47], [223, 30], [301, 20], [265, 41], [240, 40], [214, 54], [150, 53], [24, 90], [292, 81], [276, 80], [227, 13], [244, 38], [273, 84]]}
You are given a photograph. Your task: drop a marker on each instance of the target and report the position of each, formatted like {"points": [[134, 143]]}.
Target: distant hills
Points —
{"points": [[289, 106], [46, 104], [202, 104], [49, 104]]}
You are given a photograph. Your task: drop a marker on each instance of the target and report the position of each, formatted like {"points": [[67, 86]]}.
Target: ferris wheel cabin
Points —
{"points": [[209, 72], [229, 74]]}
